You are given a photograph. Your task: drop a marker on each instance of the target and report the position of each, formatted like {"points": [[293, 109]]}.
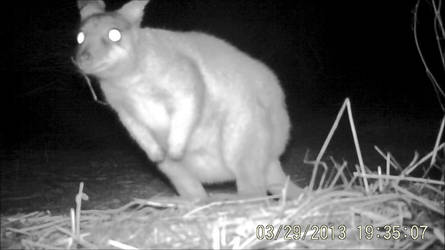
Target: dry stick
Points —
{"points": [[379, 171], [73, 225], [367, 170], [337, 175], [401, 178], [223, 234], [347, 173], [22, 217], [325, 166], [332, 172], [414, 160], [157, 204], [114, 211], [284, 191], [39, 245], [434, 189], [408, 170], [93, 93], [326, 143], [252, 239], [120, 245], [37, 227], [357, 146], [433, 158], [439, 16], [404, 246], [388, 160], [424, 245], [366, 201], [378, 219], [439, 234], [352, 181], [343, 173], [358, 171], [401, 214], [220, 203], [335, 199], [396, 162], [17, 231], [323, 176], [438, 21], [79, 197], [47, 233], [216, 237], [78, 238], [308, 207], [437, 89], [17, 198], [392, 160], [236, 242], [427, 203], [87, 79], [78, 207]]}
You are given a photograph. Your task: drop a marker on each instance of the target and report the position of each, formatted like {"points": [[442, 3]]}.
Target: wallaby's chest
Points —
{"points": [[148, 106]]}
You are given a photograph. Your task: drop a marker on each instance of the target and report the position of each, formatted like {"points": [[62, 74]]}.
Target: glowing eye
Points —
{"points": [[114, 35], [80, 37]]}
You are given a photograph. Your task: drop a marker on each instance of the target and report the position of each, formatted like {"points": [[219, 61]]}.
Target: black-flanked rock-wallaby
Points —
{"points": [[204, 111]]}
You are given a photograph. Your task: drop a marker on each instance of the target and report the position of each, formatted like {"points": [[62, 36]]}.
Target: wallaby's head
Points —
{"points": [[106, 39]]}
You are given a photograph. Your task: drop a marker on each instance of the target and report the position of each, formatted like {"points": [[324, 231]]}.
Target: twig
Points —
{"points": [[338, 174], [120, 245], [423, 201], [379, 171], [356, 143], [87, 79], [436, 145], [346, 105], [437, 89], [392, 160], [438, 24], [408, 170], [388, 160], [414, 160], [401, 178]]}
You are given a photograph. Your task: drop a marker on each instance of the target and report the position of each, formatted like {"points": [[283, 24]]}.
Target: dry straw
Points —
{"points": [[365, 209]]}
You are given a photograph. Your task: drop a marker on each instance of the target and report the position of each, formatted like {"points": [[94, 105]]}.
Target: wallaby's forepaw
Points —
{"points": [[176, 151], [156, 154]]}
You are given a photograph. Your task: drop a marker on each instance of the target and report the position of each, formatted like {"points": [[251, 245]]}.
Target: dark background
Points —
{"points": [[322, 51]]}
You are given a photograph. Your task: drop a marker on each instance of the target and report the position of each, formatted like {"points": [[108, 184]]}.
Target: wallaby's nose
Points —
{"points": [[84, 56]]}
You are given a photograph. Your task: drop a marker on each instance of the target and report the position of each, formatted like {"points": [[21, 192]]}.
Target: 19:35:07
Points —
{"points": [[392, 232]]}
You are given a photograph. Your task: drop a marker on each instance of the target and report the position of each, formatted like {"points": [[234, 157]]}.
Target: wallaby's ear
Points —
{"points": [[134, 10], [90, 7]]}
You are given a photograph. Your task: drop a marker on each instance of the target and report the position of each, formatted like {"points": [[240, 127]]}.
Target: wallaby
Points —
{"points": [[204, 111]]}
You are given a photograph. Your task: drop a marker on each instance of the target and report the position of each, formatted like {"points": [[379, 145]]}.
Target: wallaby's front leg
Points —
{"points": [[143, 137], [187, 104], [181, 125]]}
